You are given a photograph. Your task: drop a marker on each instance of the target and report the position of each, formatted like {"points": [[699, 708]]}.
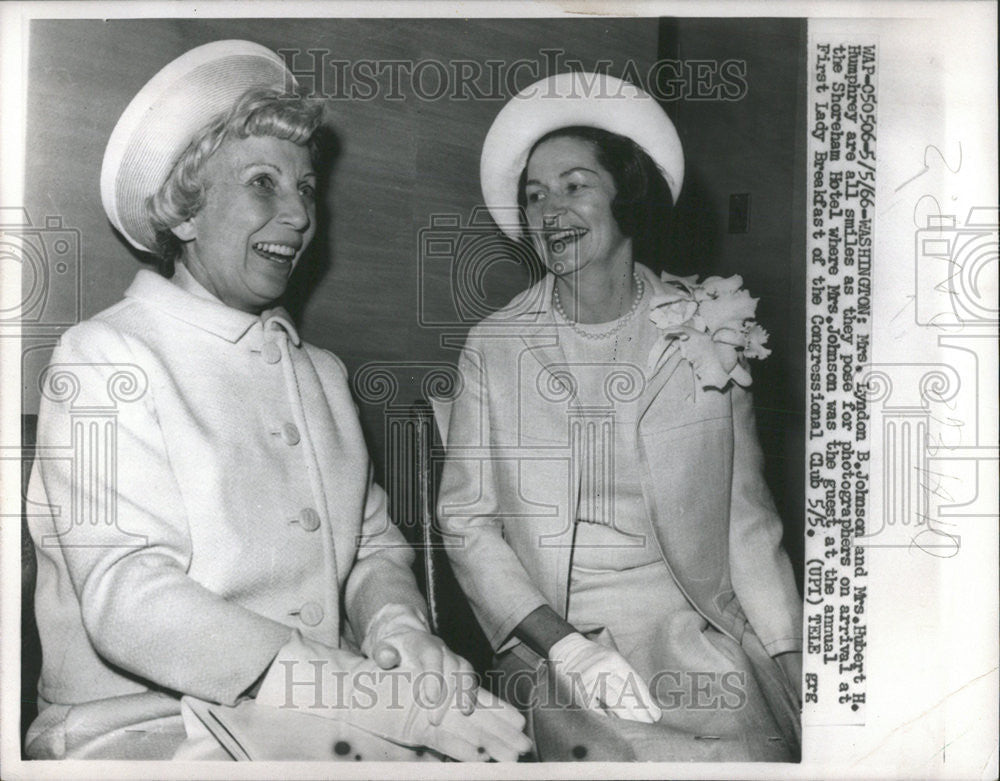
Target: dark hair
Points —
{"points": [[259, 112], [643, 202]]}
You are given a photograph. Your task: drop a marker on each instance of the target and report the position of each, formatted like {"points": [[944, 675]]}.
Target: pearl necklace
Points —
{"points": [[640, 289]]}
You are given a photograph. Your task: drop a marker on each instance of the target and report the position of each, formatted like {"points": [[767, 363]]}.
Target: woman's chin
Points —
{"points": [[564, 263], [269, 275], [568, 260], [558, 262], [267, 290]]}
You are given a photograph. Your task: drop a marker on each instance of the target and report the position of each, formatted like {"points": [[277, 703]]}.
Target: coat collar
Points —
{"points": [[185, 299]]}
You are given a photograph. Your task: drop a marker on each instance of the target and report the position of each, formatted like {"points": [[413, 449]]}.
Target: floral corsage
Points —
{"points": [[712, 324]]}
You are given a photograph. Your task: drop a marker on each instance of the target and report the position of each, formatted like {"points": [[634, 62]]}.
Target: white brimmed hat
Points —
{"points": [[160, 122], [563, 100]]}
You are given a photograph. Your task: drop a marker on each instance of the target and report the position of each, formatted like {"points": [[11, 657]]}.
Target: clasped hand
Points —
{"points": [[336, 684], [398, 637], [386, 694]]}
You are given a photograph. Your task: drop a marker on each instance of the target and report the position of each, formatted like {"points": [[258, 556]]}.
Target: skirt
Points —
{"points": [[722, 700]]}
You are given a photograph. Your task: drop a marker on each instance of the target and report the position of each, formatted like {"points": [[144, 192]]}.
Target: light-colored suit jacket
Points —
{"points": [[201, 489], [510, 488]]}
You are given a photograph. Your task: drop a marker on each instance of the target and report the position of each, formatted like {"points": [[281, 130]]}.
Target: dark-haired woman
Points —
{"points": [[604, 490]]}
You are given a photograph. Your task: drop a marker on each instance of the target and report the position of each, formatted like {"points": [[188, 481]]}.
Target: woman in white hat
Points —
{"points": [[604, 492], [214, 531]]}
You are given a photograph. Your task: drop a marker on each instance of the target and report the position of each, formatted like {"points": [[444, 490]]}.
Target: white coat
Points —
{"points": [[201, 489], [510, 488]]}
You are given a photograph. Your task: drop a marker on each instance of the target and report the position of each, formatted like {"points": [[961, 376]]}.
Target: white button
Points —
{"points": [[309, 519], [270, 352], [311, 614], [290, 433]]}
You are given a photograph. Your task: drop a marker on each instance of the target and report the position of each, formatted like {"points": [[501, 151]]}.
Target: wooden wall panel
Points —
{"points": [[399, 162]]}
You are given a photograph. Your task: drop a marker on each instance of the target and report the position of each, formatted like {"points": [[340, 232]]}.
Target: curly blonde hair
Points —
{"points": [[258, 112]]}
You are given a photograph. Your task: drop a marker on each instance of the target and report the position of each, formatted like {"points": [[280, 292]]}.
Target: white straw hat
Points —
{"points": [[161, 120], [563, 100]]}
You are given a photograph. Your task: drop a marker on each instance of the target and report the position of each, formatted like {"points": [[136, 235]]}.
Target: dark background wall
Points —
{"points": [[367, 292], [754, 146]]}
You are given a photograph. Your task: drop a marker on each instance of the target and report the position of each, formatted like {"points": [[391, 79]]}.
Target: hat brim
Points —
{"points": [[162, 119], [567, 99]]}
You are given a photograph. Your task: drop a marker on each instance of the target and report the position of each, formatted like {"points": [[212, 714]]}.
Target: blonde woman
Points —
{"points": [[236, 544]]}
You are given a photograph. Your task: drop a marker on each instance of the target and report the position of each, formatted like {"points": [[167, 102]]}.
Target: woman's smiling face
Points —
{"points": [[258, 218], [569, 195]]}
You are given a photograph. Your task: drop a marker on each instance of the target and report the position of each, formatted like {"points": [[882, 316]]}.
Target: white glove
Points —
{"points": [[336, 684], [398, 636], [604, 678]]}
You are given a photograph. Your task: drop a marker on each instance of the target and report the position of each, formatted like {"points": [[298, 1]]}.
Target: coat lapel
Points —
{"points": [[540, 334], [663, 359], [542, 340]]}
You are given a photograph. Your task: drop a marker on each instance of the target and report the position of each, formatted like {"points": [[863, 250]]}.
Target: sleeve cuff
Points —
{"points": [[305, 674], [500, 636], [783, 645]]}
